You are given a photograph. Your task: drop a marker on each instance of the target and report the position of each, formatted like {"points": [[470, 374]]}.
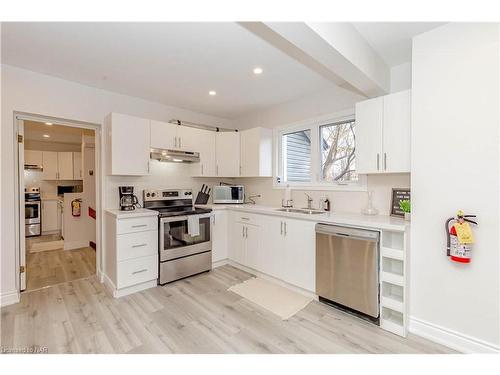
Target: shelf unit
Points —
{"points": [[394, 281]]}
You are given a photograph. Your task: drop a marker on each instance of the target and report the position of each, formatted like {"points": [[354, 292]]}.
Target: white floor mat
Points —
{"points": [[46, 246], [279, 300]]}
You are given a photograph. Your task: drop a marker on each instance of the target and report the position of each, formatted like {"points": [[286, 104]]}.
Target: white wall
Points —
{"points": [[455, 165], [32, 92], [401, 77]]}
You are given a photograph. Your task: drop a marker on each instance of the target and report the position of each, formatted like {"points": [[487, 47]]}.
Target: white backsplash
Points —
{"points": [[48, 188], [341, 201]]}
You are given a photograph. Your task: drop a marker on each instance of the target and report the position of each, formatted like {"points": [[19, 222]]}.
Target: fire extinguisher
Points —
{"points": [[459, 237], [76, 207]]}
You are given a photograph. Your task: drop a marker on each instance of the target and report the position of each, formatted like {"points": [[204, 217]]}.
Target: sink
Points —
{"points": [[300, 211]]}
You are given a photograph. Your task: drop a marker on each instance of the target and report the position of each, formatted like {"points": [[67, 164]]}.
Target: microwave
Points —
{"points": [[229, 194]]}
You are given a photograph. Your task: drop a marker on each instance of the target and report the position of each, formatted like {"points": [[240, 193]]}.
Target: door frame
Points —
{"points": [[20, 243]]}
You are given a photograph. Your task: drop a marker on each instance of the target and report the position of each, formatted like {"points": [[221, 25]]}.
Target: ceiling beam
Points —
{"points": [[336, 51]]}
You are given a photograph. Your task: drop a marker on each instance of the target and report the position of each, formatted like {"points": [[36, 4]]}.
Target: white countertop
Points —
{"points": [[350, 219], [138, 212], [51, 198]]}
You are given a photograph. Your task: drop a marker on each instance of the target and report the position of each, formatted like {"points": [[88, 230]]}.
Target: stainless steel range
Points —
{"points": [[32, 212], [185, 244]]}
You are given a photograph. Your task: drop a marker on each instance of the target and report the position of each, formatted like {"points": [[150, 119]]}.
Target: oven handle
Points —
{"points": [[181, 218]]}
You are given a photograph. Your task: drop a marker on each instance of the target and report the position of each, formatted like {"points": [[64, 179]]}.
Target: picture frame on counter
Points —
{"points": [[398, 195]]}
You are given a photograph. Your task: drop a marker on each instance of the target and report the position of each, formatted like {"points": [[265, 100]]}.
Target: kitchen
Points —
{"points": [[284, 223]]}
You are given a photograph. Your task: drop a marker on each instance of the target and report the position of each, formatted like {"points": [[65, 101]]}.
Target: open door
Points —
{"points": [[20, 184]]}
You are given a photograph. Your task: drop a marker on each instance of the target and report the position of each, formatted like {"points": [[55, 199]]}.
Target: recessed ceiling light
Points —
{"points": [[212, 93], [46, 136], [257, 70], [49, 123]]}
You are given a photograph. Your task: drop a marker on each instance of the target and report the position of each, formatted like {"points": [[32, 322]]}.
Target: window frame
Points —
{"points": [[316, 182]]}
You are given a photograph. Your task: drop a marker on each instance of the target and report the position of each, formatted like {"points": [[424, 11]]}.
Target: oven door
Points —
{"points": [[32, 212], [176, 242]]}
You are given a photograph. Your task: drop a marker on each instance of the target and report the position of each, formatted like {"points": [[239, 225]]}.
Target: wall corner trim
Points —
{"points": [[450, 338], [9, 298]]}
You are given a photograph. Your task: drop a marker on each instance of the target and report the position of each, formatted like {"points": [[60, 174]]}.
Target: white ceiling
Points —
{"points": [[178, 63], [170, 63], [392, 40], [34, 131]]}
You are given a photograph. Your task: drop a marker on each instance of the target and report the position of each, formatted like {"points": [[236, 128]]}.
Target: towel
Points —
{"points": [[194, 225]]}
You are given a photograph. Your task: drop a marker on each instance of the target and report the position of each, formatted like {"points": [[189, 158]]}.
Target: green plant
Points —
{"points": [[405, 205]]}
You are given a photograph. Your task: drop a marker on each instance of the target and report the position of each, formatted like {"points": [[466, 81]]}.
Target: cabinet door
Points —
{"points": [[163, 135], [77, 166], [130, 137], [300, 258], [49, 165], [369, 122], [227, 154], [253, 249], [202, 141], [50, 216], [219, 235], [65, 165], [33, 157], [272, 245], [236, 245], [397, 120]]}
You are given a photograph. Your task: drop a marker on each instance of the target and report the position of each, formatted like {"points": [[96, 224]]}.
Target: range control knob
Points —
{"points": [[187, 193], [153, 194], [148, 194]]}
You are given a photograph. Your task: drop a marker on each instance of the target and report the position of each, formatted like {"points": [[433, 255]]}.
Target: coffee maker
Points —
{"points": [[128, 200]]}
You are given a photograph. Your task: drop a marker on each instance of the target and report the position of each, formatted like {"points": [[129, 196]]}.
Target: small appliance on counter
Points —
{"points": [[229, 194], [128, 201]]}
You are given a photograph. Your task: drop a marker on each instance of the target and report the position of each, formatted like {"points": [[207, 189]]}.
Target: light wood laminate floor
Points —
{"points": [[194, 315], [53, 267]]}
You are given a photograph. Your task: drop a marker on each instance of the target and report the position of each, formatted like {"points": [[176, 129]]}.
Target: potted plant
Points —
{"points": [[405, 206]]}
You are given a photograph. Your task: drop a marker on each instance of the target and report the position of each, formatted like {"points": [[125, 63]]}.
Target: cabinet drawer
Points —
{"points": [[245, 218], [136, 271], [136, 245], [136, 224]]}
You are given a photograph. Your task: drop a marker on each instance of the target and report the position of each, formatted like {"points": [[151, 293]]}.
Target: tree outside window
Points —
{"points": [[338, 145]]}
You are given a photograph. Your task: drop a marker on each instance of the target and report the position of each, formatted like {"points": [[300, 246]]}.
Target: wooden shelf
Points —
{"points": [[392, 278], [392, 303]]}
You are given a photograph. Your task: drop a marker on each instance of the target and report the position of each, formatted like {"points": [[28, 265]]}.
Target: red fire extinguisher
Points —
{"points": [[459, 237], [76, 207]]}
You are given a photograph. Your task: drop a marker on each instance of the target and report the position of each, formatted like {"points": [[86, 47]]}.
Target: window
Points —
{"points": [[320, 155], [338, 159], [297, 156]]}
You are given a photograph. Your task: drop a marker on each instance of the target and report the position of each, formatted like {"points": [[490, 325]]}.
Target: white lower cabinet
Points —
{"points": [[50, 216], [219, 235], [131, 262], [280, 247]]}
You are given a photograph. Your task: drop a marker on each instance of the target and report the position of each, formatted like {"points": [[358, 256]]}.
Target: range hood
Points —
{"points": [[175, 156], [35, 167]]}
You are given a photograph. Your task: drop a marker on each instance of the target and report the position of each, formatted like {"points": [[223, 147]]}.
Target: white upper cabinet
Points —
{"points": [[65, 165], [397, 120], [128, 145], [163, 135], [227, 154], [202, 141], [77, 166], [383, 134], [50, 169], [256, 152], [32, 157]]}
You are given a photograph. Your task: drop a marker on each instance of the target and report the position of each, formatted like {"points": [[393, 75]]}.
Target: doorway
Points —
{"points": [[58, 163]]}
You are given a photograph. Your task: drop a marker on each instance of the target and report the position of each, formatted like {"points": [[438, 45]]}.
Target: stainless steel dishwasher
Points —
{"points": [[347, 268]]}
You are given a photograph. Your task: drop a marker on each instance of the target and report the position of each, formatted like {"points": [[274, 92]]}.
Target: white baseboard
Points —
{"points": [[9, 298], [117, 293], [219, 263], [452, 339], [70, 245]]}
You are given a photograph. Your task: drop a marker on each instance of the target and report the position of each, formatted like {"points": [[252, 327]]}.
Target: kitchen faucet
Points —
{"points": [[309, 201], [250, 198]]}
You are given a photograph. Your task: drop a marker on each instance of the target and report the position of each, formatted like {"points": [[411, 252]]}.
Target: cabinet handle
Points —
{"points": [[385, 161], [175, 141], [139, 226], [281, 229], [378, 162], [242, 231], [141, 245], [180, 139], [285, 227], [245, 218], [140, 271], [217, 170], [202, 169]]}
